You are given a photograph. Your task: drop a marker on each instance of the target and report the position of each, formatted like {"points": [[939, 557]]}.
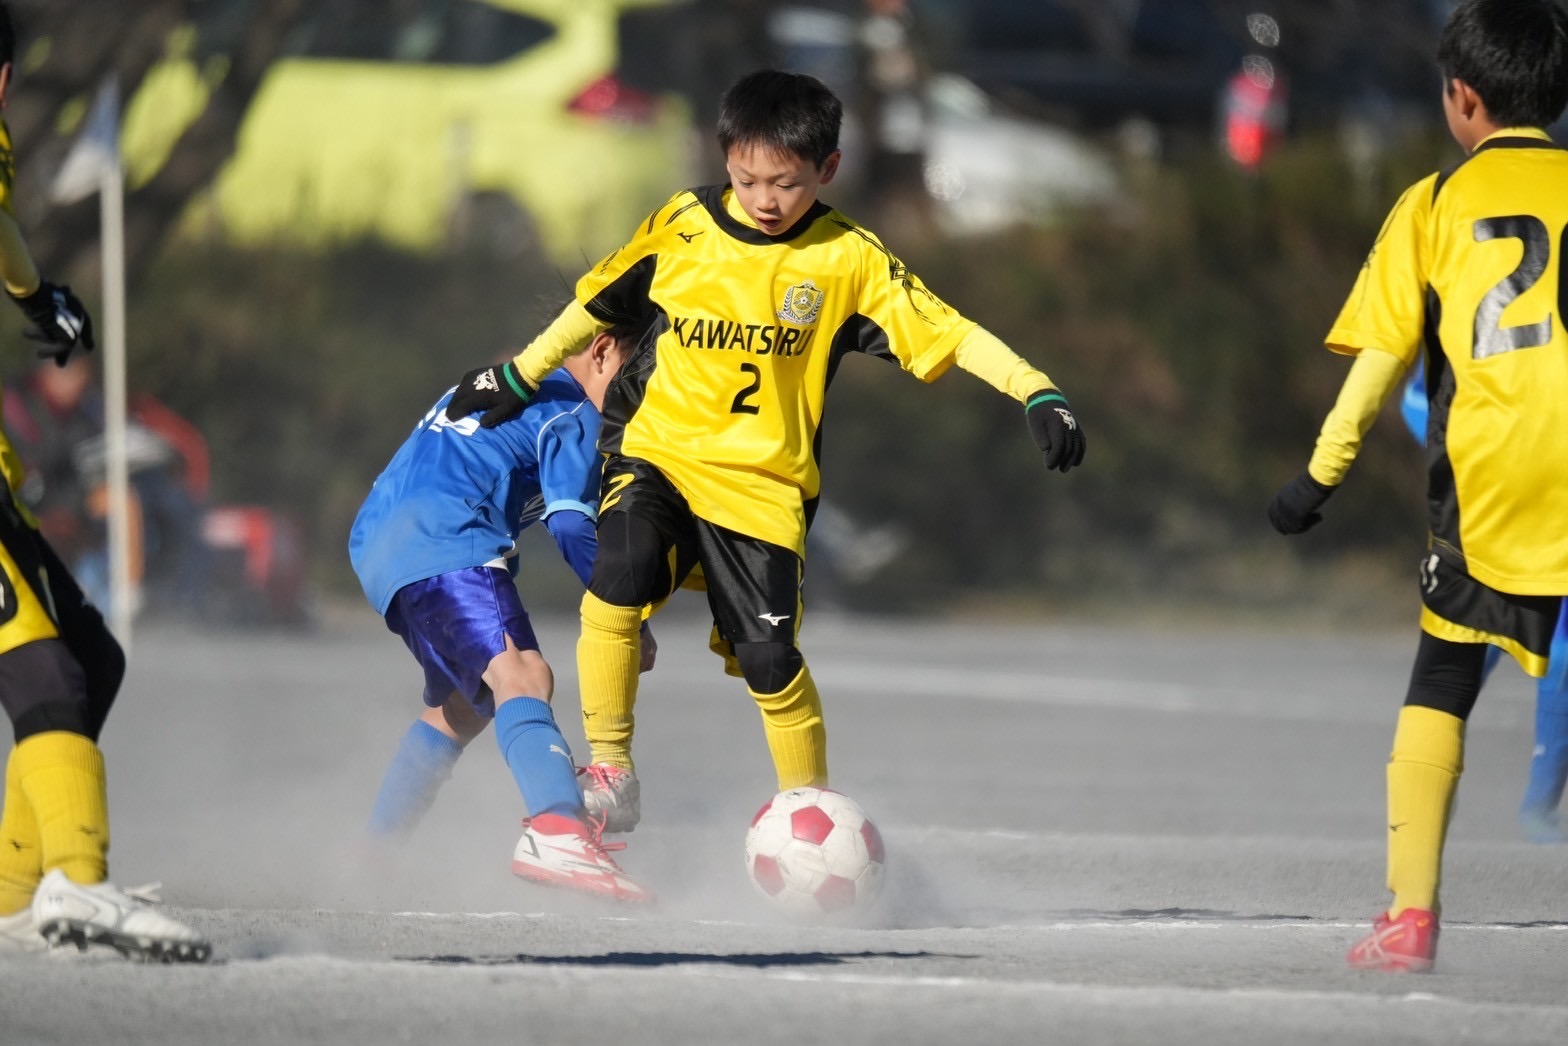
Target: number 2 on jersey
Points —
{"points": [[739, 404], [1491, 337]]}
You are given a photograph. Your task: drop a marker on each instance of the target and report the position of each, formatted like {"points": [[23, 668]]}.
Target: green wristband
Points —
{"points": [[518, 387], [1045, 397]]}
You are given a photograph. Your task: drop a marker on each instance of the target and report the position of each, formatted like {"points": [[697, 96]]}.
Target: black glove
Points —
{"points": [[1054, 429], [60, 321], [501, 392], [1295, 508]]}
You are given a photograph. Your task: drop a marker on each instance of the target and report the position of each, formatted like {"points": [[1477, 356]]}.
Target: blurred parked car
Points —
{"points": [[985, 167], [1092, 66], [434, 121]]}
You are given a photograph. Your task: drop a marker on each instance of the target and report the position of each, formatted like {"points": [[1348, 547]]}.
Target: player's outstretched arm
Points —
{"points": [[503, 390], [1373, 376], [1051, 421]]}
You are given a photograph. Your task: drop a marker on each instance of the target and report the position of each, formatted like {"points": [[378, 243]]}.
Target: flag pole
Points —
{"points": [[93, 165], [111, 197]]}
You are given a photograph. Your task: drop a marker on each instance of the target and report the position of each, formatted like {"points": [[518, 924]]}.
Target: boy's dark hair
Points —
{"points": [[632, 334], [785, 112], [1514, 53]]}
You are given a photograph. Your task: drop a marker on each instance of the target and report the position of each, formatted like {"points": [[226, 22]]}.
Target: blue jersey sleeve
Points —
{"points": [[569, 470], [575, 535], [569, 462]]}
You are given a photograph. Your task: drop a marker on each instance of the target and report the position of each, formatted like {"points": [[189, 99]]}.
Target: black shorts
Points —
{"points": [[60, 668], [650, 544], [1461, 609]]}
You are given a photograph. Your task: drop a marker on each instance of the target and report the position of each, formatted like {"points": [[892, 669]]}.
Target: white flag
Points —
{"points": [[96, 152]]}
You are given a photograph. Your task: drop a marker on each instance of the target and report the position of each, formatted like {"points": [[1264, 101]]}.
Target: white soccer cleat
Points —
{"points": [[562, 851], [612, 796], [67, 912], [19, 934]]}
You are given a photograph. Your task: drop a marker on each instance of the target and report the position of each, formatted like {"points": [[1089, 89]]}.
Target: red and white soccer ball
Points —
{"points": [[815, 853]]}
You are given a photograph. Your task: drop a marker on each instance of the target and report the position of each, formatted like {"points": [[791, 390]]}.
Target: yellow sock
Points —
{"points": [[20, 855], [607, 654], [1423, 773], [62, 778], [792, 721]]}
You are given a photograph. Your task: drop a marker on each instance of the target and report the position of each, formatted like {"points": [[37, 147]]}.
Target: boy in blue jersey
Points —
{"points": [[1543, 794], [433, 546]]}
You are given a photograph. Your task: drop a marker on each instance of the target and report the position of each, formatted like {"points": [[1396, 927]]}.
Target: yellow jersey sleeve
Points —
{"points": [[923, 332], [17, 270], [1387, 307], [1373, 375], [566, 335], [988, 358]]}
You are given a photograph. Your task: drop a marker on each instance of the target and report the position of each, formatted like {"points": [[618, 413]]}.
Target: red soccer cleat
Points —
{"points": [[562, 851], [1406, 944]]}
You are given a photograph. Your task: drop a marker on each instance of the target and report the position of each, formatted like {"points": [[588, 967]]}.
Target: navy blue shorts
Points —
{"points": [[455, 624]]}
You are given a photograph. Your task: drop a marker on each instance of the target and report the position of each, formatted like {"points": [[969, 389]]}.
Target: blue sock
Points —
{"points": [[1549, 763], [538, 757], [423, 763]]}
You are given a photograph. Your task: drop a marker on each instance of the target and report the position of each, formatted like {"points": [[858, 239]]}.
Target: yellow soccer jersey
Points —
{"points": [[727, 401], [1469, 264]]}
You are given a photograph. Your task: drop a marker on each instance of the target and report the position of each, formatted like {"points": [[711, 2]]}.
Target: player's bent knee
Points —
{"points": [[629, 569], [520, 673], [768, 667], [460, 718]]}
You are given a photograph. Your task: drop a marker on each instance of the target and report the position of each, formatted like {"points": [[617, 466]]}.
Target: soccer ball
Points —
{"points": [[815, 853]]}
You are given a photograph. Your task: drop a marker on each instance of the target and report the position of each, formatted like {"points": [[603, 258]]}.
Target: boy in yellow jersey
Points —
{"points": [[59, 672], [757, 290], [1469, 265]]}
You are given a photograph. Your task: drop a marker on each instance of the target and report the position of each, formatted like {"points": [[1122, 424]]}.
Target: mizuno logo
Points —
{"points": [[773, 619], [690, 236]]}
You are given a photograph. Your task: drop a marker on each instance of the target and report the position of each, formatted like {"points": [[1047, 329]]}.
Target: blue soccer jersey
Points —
{"points": [[457, 494]]}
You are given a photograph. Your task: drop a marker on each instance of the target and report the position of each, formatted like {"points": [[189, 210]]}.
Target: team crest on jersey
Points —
{"points": [[802, 304]]}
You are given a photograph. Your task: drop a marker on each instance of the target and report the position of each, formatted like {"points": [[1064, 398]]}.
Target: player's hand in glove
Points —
{"points": [[500, 391], [1054, 429], [60, 321], [1294, 509]]}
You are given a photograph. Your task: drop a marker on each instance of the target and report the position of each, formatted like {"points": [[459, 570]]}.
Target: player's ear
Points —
{"points": [[830, 166], [1465, 99], [5, 83]]}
